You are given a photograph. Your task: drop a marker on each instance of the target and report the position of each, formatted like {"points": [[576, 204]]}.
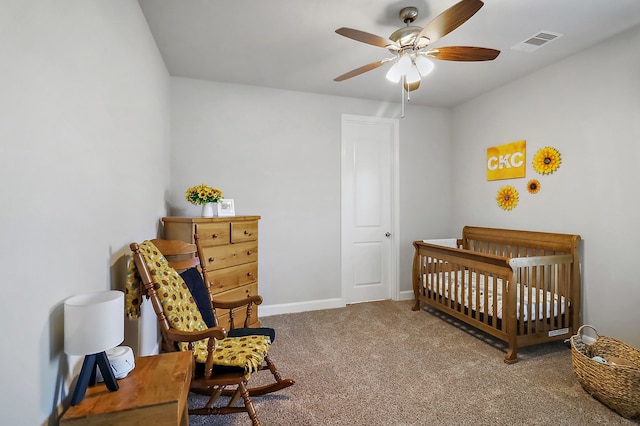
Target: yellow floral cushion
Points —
{"points": [[183, 314], [246, 351]]}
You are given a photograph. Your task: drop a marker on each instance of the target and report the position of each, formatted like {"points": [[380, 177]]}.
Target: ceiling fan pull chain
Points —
{"points": [[404, 81]]}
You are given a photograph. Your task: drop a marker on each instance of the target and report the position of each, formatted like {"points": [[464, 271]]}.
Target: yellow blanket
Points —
{"points": [[183, 314]]}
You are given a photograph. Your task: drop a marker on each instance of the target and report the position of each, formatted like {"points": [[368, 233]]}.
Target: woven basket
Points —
{"points": [[616, 386]]}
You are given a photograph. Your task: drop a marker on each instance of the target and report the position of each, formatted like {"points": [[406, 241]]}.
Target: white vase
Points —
{"points": [[209, 210]]}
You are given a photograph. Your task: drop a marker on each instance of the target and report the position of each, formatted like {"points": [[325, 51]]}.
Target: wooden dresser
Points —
{"points": [[230, 247]]}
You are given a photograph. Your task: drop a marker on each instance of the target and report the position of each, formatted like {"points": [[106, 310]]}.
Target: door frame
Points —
{"points": [[393, 291]]}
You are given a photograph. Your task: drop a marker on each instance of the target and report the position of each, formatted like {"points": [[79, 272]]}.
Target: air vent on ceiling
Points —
{"points": [[536, 41]]}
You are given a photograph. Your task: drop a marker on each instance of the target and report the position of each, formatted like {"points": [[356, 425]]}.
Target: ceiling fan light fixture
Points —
{"points": [[405, 64], [413, 76], [424, 65], [394, 75]]}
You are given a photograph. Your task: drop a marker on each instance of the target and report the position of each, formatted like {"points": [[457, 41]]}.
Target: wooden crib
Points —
{"points": [[522, 287]]}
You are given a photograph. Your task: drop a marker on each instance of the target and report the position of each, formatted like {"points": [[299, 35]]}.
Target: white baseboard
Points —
{"points": [[406, 295], [314, 305], [291, 308]]}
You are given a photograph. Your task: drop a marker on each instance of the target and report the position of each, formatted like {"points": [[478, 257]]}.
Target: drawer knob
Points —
{"points": [[246, 232], [211, 259], [249, 253], [214, 236], [249, 274]]}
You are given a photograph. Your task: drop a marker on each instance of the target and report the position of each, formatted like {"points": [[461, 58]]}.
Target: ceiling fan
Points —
{"points": [[410, 45]]}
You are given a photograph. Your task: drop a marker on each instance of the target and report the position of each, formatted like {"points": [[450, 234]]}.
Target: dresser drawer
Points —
{"points": [[239, 314], [213, 234], [230, 278], [219, 257], [244, 231]]}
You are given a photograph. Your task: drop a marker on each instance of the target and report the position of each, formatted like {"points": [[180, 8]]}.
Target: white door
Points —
{"points": [[369, 147]]}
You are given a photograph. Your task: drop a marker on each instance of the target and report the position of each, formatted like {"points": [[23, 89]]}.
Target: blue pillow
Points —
{"points": [[258, 331], [198, 289]]}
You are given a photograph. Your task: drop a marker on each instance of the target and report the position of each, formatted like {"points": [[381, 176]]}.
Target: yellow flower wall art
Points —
{"points": [[533, 186], [507, 198], [546, 160]]}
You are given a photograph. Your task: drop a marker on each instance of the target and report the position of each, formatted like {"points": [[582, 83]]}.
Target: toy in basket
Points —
{"points": [[608, 369]]}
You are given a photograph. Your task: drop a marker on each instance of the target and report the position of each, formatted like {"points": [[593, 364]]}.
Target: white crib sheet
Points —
{"points": [[442, 279]]}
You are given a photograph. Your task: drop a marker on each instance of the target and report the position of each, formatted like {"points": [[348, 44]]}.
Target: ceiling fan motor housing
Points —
{"points": [[406, 36], [408, 14]]}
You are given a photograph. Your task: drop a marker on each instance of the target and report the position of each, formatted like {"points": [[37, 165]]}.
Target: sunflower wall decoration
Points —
{"points": [[507, 198], [546, 160], [533, 186]]}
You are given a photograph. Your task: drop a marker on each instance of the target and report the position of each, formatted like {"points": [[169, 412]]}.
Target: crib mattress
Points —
{"points": [[542, 305]]}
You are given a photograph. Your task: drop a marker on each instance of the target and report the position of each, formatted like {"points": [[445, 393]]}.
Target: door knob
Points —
{"points": [[388, 234]]}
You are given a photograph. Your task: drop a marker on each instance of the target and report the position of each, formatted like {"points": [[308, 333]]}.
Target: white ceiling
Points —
{"points": [[291, 44]]}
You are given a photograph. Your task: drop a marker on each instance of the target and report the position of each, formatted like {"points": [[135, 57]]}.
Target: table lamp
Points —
{"points": [[93, 323]]}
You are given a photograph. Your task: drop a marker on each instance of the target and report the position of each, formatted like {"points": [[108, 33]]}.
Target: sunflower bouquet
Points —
{"points": [[203, 194]]}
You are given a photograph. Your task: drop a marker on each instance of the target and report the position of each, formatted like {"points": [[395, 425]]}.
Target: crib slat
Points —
{"points": [[489, 283], [521, 286], [453, 287], [541, 305]]}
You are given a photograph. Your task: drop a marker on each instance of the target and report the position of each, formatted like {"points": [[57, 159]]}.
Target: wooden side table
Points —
{"points": [[155, 392]]}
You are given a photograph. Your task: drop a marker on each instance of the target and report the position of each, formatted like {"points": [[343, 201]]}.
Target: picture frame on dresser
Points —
{"points": [[226, 207]]}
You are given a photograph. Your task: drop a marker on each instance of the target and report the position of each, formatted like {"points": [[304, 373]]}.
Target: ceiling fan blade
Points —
{"points": [[361, 70], [449, 20], [366, 38], [410, 87], [463, 53]]}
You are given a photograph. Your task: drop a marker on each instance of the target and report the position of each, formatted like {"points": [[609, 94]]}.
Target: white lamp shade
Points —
{"points": [[404, 64], [413, 76], [424, 65], [403, 67], [93, 322], [393, 74]]}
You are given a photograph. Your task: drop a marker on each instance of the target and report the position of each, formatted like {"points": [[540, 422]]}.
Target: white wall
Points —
{"points": [[85, 164], [277, 154], [588, 107], [84, 169]]}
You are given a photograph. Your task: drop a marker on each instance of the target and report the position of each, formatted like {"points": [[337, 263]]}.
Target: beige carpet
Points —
{"points": [[382, 364]]}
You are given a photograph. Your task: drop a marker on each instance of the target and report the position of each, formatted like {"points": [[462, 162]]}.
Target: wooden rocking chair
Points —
{"points": [[167, 270]]}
